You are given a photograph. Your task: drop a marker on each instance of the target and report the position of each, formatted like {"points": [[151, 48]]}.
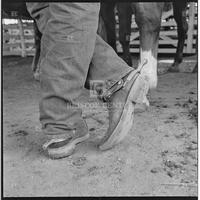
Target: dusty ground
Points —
{"points": [[158, 157]]}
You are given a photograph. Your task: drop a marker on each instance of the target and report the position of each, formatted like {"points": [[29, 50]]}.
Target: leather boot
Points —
{"points": [[122, 98], [63, 147]]}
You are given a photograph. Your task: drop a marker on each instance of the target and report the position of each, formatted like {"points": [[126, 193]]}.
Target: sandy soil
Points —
{"points": [[158, 157]]}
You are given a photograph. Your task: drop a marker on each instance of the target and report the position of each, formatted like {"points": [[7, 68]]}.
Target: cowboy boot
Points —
{"points": [[63, 147], [121, 99]]}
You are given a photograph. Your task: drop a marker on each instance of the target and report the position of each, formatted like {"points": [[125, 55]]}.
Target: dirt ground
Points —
{"points": [[158, 157]]}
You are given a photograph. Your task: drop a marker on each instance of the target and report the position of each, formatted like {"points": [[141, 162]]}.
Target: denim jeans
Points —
{"points": [[72, 54]]}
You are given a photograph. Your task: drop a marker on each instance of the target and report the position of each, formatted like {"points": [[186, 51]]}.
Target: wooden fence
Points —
{"points": [[18, 39]]}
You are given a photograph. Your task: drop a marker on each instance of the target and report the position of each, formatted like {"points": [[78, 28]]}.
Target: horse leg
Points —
{"points": [[179, 9], [125, 15], [37, 37], [108, 15], [148, 19]]}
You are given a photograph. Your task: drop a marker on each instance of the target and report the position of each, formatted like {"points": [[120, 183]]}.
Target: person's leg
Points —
{"points": [[106, 65], [124, 88], [68, 42], [67, 45]]}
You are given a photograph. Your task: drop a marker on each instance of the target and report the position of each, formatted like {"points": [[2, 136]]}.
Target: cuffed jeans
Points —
{"points": [[72, 54]]}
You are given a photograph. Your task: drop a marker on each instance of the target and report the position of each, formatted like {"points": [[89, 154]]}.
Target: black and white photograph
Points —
{"points": [[99, 99]]}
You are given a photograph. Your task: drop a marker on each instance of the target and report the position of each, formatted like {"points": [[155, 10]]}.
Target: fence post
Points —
{"points": [[189, 48], [21, 32]]}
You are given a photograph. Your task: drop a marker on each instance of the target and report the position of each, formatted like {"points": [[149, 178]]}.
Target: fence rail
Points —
{"points": [[18, 39]]}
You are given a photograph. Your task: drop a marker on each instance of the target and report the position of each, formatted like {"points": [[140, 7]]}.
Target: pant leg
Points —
{"points": [[106, 64], [39, 12], [67, 46]]}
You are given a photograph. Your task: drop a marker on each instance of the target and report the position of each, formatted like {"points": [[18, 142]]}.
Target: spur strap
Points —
{"points": [[121, 83]]}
